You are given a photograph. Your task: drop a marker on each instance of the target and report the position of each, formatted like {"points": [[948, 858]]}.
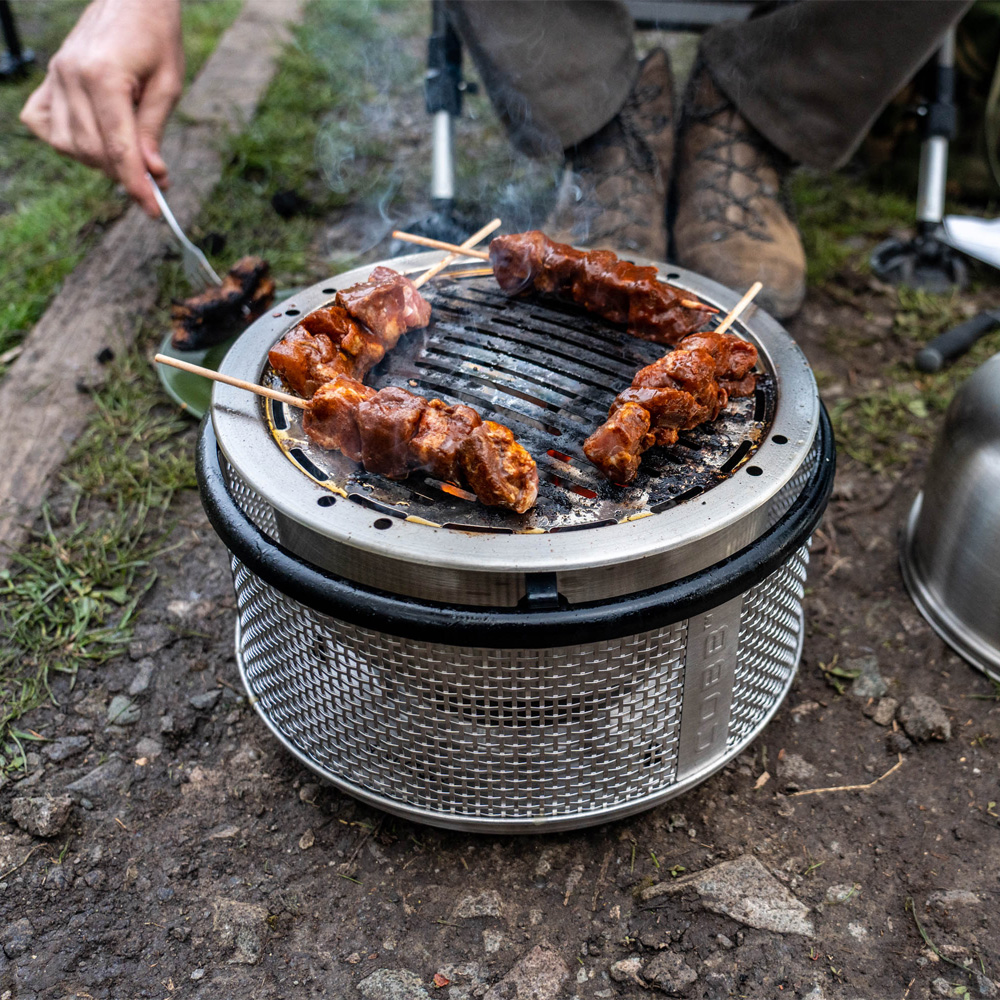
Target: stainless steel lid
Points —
{"points": [[950, 555], [550, 373]]}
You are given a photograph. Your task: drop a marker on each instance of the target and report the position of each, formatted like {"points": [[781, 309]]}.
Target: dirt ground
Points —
{"points": [[199, 859]]}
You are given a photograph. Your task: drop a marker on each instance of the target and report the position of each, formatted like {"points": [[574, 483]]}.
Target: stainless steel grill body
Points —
{"points": [[467, 668]]}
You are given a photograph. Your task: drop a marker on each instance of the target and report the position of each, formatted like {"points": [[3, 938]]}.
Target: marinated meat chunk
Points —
{"points": [[616, 446], [500, 472], [734, 357], [388, 303], [217, 313], [617, 290], [331, 419], [388, 422], [690, 371], [435, 446], [300, 357]]}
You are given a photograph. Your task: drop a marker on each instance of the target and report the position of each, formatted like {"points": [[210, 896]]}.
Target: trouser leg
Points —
{"points": [[811, 77], [556, 70]]}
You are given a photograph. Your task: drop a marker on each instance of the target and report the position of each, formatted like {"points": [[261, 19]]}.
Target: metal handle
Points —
{"points": [[191, 252], [955, 342]]}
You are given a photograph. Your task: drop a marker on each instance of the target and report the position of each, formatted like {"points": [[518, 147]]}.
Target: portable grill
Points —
{"points": [[473, 668]]}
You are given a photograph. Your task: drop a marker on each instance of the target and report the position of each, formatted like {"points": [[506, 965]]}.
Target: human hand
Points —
{"points": [[109, 89]]}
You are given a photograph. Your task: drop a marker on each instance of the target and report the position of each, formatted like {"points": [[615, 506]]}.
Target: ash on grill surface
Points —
{"points": [[550, 373]]}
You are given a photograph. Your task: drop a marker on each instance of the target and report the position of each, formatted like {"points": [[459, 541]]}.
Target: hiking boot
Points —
{"points": [[614, 189], [730, 224]]}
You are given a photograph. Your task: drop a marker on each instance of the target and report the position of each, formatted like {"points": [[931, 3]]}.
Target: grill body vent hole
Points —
{"points": [[326, 501], [291, 312], [779, 439], [754, 470], [382, 523]]}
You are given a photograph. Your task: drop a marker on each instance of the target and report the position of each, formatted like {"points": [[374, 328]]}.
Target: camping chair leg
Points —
{"points": [[926, 262], [15, 61]]}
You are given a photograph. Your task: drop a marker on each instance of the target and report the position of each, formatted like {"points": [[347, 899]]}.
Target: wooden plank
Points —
{"points": [[103, 301]]}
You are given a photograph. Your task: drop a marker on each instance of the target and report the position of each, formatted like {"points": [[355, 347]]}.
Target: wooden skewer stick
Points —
{"points": [[472, 272], [452, 257], [426, 241], [734, 313], [186, 366]]}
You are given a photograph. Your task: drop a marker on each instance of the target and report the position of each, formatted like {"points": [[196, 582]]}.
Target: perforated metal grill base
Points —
{"points": [[508, 740]]}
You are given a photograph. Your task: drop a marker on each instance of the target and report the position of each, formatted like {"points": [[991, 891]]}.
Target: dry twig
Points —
{"points": [[852, 788]]}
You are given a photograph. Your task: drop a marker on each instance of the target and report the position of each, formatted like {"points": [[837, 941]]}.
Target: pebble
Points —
{"points": [[123, 711], [985, 985], [628, 971], [393, 984], [144, 670], [924, 719], [492, 941], [842, 892], [669, 972], [942, 988], [539, 974], [898, 743], [308, 793], [243, 926], [42, 815], [65, 747], [198, 974], [307, 840], [746, 891], [17, 937], [205, 702], [94, 878], [487, 903], [869, 682], [95, 784], [883, 711], [794, 770], [148, 747]]}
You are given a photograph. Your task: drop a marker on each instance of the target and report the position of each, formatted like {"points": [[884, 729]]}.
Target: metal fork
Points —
{"points": [[196, 265]]}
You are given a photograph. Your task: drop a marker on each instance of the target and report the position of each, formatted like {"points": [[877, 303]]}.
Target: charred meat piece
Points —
{"points": [[328, 342], [734, 360], [388, 422], [331, 419], [616, 446], [617, 290], [387, 303], [685, 388], [394, 432], [217, 313], [500, 472], [435, 446]]}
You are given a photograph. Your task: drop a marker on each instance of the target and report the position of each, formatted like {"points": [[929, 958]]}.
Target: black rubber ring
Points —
{"points": [[511, 628]]}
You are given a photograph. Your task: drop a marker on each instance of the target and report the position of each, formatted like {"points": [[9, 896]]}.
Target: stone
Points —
{"points": [[466, 980], [842, 892], [198, 974], [746, 891], [101, 781], [17, 937], [308, 793], [945, 900], [205, 702], [144, 671], [242, 926], [487, 903], [869, 682], [148, 747], [123, 711], [924, 719], [669, 972], [492, 940], [628, 970], [65, 747], [795, 769], [816, 993], [42, 815], [883, 711], [93, 705], [986, 986], [538, 975], [393, 984], [898, 743], [940, 987], [150, 639], [307, 840]]}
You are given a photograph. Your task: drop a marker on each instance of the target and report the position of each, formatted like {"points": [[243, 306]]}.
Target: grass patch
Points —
{"points": [[72, 595], [885, 423], [52, 210], [841, 219]]}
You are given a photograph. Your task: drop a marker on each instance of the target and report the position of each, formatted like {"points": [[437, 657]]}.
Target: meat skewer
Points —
{"points": [[615, 289], [681, 390], [394, 432]]}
